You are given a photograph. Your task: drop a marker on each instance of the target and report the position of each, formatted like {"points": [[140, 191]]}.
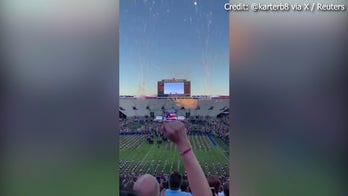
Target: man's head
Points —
{"points": [[214, 182], [184, 185], [146, 185], [175, 181], [165, 184]]}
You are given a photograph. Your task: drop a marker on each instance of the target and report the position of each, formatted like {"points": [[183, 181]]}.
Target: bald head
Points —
{"points": [[146, 185]]}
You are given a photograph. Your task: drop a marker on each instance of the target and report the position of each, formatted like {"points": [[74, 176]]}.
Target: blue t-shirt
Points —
{"points": [[170, 192]]}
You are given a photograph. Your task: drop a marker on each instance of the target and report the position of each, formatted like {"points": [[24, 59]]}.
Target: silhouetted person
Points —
{"points": [[175, 180], [227, 189]]}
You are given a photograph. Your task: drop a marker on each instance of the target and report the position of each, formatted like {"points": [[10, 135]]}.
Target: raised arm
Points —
{"points": [[176, 132]]}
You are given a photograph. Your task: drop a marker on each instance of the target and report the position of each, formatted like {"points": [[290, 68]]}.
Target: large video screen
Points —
{"points": [[173, 88]]}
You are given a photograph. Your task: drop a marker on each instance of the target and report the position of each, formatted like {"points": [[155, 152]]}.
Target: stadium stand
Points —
{"points": [[133, 107]]}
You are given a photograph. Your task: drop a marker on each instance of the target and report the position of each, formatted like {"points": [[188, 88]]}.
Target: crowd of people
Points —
{"points": [[218, 126], [220, 184], [221, 128], [192, 182]]}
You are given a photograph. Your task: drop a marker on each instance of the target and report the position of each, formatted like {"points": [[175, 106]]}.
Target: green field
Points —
{"points": [[137, 155]]}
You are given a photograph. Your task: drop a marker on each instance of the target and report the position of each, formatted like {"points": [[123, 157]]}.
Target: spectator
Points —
{"points": [[214, 182], [146, 185], [227, 189], [176, 132], [175, 180], [164, 188], [184, 185]]}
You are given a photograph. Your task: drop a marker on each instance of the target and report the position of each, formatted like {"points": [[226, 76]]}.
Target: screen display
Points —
{"points": [[173, 88]]}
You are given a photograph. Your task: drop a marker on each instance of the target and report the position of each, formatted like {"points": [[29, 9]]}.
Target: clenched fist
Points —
{"points": [[175, 131]]}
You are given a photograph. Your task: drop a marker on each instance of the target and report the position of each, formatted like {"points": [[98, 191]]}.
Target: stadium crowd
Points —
{"points": [[218, 126], [159, 183], [219, 183]]}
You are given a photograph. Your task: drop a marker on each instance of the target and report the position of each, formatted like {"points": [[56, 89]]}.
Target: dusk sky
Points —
{"points": [[184, 39]]}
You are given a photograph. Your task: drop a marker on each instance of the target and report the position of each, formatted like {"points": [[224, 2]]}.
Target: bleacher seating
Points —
{"points": [[133, 107]]}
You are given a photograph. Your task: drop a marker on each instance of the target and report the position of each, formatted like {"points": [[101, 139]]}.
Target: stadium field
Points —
{"points": [[137, 155]]}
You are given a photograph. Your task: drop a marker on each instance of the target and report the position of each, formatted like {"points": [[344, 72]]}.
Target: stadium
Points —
{"points": [[143, 149]]}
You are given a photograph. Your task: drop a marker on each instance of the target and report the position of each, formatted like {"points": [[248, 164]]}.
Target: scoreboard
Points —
{"points": [[174, 88]]}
